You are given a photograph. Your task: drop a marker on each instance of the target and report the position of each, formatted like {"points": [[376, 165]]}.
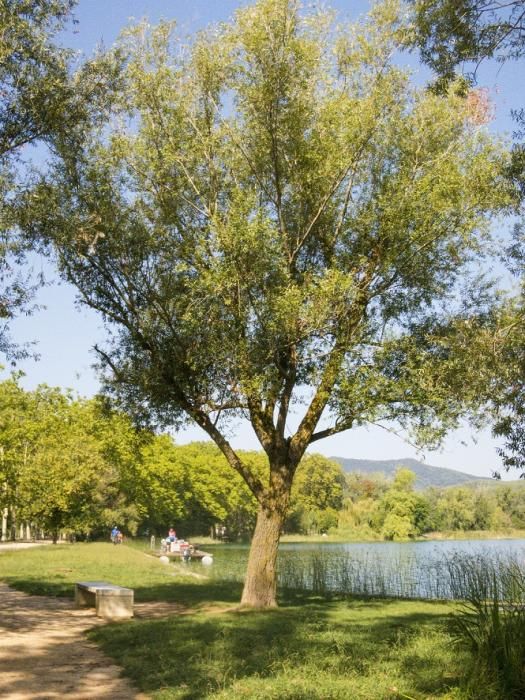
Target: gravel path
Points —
{"points": [[44, 653], [7, 546]]}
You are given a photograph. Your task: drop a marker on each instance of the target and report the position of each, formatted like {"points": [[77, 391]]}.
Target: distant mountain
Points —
{"points": [[426, 475]]}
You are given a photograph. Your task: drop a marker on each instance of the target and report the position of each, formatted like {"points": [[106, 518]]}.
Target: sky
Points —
{"points": [[66, 333]]}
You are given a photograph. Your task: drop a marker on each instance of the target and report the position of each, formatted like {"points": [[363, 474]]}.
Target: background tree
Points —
{"points": [[451, 33], [67, 465], [283, 215], [193, 487], [404, 512], [41, 102], [454, 35], [14, 414], [317, 495]]}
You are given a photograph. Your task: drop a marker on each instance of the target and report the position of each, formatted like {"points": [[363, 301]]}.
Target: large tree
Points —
{"points": [[273, 217]]}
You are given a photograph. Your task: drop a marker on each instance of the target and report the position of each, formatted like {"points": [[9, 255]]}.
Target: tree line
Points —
{"points": [[376, 508], [76, 467]]}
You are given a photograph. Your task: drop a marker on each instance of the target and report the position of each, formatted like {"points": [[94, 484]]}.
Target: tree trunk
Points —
{"points": [[5, 514], [260, 585]]}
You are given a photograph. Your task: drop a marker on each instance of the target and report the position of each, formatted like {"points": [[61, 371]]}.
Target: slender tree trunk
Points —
{"points": [[5, 514], [260, 586]]}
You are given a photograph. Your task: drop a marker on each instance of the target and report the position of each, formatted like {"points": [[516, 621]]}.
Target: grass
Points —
{"points": [[53, 570], [315, 649], [309, 648]]}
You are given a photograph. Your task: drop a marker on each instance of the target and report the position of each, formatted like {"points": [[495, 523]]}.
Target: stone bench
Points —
{"points": [[111, 602]]}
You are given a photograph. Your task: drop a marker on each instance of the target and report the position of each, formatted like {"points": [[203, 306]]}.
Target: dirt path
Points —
{"points": [[44, 653]]}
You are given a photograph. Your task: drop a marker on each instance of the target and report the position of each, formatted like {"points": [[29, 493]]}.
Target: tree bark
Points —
{"points": [[260, 586]]}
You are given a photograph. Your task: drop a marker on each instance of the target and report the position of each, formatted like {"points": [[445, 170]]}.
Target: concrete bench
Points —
{"points": [[112, 602]]}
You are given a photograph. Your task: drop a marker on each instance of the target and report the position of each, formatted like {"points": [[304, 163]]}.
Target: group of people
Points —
{"points": [[185, 549], [116, 535]]}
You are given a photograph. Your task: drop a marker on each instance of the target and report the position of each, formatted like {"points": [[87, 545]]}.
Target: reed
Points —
{"points": [[490, 621]]}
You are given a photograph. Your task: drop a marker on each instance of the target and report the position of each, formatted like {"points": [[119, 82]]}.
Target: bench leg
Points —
{"points": [[114, 607], [83, 598]]}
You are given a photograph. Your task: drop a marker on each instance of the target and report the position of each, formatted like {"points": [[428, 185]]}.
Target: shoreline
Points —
{"points": [[459, 535]]}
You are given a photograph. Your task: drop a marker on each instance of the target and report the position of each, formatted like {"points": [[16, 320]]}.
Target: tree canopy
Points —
{"points": [[454, 35], [271, 224], [42, 102], [450, 33]]}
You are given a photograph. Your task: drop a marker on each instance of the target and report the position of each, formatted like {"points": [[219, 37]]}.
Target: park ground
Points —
{"points": [[189, 639]]}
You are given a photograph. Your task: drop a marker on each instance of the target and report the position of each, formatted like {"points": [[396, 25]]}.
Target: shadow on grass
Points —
{"points": [[196, 656], [55, 589], [186, 593]]}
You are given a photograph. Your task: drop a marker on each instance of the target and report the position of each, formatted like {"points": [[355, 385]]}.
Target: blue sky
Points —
{"points": [[66, 333]]}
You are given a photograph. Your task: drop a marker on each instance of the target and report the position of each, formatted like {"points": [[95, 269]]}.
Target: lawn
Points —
{"points": [[309, 648]]}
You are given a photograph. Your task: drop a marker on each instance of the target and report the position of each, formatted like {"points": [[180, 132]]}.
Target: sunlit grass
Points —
{"points": [[53, 570]]}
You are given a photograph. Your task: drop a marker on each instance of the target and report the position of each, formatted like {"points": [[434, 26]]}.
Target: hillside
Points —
{"points": [[426, 475]]}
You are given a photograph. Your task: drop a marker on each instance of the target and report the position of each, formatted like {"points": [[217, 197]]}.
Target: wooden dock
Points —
{"points": [[196, 554]]}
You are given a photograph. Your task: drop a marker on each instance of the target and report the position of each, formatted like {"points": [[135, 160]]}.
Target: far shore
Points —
{"points": [[429, 536]]}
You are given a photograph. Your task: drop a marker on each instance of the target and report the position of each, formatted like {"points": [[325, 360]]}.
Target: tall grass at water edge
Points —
{"points": [[490, 620], [439, 576], [489, 589]]}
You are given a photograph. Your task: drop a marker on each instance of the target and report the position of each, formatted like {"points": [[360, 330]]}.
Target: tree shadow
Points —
{"points": [[201, 654], [44, 651], [186, 593]]}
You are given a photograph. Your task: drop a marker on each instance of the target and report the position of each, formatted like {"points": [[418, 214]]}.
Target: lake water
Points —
{"points": [[427, 569]]}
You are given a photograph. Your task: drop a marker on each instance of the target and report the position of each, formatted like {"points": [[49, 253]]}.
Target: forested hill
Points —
{"points": [[426, 475]]}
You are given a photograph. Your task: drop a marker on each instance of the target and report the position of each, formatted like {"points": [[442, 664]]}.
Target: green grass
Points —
{"points": [[310, 648], [53, 570], [316, 649]]}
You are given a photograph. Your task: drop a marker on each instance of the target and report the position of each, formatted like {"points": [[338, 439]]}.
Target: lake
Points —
{"points": [[437, 569]]}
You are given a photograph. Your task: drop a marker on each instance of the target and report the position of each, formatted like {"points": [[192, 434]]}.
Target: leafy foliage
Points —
{"points": [[452, 32], [317, 496], [374, 507], [448, 34], [66, 465], [41, 102]]}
